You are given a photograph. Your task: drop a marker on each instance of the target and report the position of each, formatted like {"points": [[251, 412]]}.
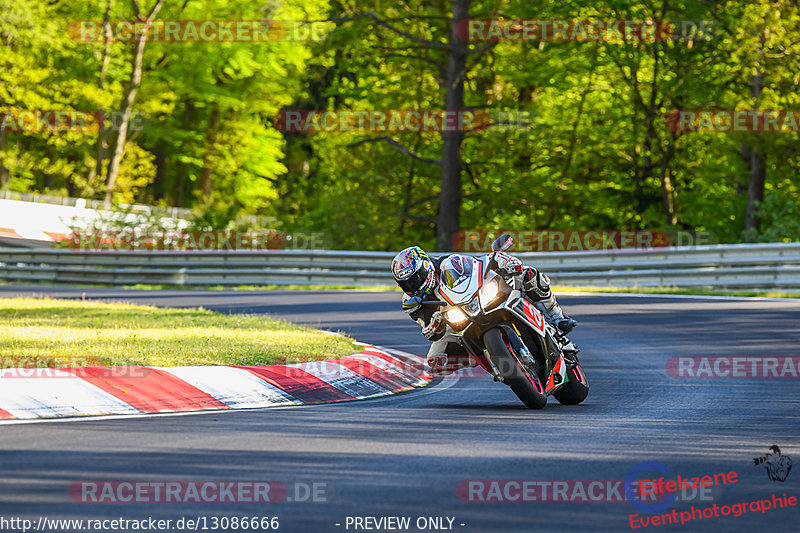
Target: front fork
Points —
{"points": [[520, 350], [555, 362]]}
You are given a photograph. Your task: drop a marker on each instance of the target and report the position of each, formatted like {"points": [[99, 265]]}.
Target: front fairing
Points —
{"points": [[458, 288]]}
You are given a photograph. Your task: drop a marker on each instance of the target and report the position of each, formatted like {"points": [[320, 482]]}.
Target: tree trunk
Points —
{"points": [[755, 187], [180, 167], [667, 187], [755, 190], [208, 163], [5, 175], [756, 160], [449, 221], [101, 146], [127, 107], [651, 136], [47, 177], [159, 184]]}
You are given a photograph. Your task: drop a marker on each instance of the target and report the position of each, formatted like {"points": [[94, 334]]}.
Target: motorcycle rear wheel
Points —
{"points": [[525, 384]]}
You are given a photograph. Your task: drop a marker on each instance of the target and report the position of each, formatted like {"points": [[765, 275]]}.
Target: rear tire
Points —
{"points": [[576, 389], [523, 382]]}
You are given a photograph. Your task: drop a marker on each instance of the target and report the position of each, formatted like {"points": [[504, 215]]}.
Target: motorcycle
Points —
{"points": [[505, 333]]}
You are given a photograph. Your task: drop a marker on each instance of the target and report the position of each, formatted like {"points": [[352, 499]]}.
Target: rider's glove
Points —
{"points": [[412, 306], [438, 363], [435, 327], [508, 264]]}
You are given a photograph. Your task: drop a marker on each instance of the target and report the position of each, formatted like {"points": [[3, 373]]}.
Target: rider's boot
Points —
{"points": [[536, 286], [554, 315]]}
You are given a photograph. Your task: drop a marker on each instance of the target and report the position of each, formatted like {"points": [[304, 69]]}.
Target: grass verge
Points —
{"points": [[395, 288], [64, 333], [379, 288]]}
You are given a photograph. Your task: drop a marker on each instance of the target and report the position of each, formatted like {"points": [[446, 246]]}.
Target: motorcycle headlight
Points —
{"points": [[455, 316], [489, 293], [472, 308]]}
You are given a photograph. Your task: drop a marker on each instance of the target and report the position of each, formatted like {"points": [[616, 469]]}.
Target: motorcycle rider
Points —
{"points": [[417, 274]]}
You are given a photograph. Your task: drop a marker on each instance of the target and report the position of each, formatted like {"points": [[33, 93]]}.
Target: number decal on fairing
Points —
{"points": [[534, 316]]}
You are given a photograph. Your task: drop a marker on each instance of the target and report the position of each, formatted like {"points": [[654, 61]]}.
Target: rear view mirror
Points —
{"points": [[503, 243]]}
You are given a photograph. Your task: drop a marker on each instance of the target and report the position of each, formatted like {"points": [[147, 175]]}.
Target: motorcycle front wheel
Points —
{"points": [[524, 382], [576, 389]]}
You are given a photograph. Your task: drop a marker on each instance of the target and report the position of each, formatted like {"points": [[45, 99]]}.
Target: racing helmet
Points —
{"points": [[414, 271]]}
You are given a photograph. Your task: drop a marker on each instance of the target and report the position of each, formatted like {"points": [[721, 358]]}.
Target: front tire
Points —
{"points": [[576, 389], [525, 383]]}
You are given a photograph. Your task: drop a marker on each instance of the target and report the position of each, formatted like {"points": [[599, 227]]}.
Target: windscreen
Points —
{"points": [[456, 271]]}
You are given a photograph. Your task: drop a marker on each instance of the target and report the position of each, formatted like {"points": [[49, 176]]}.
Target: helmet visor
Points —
{"points": [[415, 281]]}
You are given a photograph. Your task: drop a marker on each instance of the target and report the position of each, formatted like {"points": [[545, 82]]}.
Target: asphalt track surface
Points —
{"points": [[405, 455]]}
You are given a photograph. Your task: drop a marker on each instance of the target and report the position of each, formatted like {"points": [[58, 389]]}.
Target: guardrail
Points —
{"points": [[762, 266]]}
